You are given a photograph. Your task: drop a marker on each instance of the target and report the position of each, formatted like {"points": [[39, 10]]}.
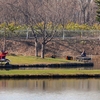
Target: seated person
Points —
{"points": [[83, 54], [3, 54]]}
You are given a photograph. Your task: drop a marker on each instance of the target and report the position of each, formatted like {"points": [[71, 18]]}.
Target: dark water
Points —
{"points": [[50, 89]]}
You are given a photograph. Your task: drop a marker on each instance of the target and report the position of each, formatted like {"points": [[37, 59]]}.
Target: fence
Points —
{"points": [[65, 34]]}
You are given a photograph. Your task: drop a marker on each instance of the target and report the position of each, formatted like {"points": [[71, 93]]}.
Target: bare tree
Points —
{"points": [[84, 5], [80, 11], [48, 23], [42, 20]]}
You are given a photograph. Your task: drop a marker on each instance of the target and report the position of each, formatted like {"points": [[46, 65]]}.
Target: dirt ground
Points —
{"points": [[59, 48]]}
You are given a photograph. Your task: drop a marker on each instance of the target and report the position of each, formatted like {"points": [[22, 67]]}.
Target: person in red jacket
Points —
{"points": [[3, 54]]}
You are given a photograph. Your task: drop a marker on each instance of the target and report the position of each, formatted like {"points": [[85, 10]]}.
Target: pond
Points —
{"points": [[50, 89]]}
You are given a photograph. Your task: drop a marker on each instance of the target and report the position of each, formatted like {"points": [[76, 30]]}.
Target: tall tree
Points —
{"points": [[84, 5], [42, 21], [98, 10]]}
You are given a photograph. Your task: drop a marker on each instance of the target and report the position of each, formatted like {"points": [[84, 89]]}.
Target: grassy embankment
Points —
{"points": [[50, 72], [33, 60]]}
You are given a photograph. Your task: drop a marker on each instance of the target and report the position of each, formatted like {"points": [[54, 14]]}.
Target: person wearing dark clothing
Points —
{"points": [[83, 54]]}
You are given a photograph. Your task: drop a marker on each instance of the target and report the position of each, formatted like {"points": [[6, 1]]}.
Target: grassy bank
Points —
{"points": [[49, 72], [38, 60], [46, 72]]}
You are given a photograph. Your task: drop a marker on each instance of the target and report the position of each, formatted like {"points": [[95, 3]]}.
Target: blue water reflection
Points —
{"points": [[50, 89]]}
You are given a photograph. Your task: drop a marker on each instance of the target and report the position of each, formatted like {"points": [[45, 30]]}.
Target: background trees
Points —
{"points": [[80, 11], [45, 17]]}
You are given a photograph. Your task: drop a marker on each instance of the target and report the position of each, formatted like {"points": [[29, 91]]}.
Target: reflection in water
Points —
{"points": [[49, 89]]}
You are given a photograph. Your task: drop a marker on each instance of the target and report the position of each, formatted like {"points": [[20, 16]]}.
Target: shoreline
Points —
{"points": [[46, 67], [61, 65], [77, 76]]}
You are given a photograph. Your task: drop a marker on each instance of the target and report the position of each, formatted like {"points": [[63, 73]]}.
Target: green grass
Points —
{"points": [[48, 72], [34, 60]]}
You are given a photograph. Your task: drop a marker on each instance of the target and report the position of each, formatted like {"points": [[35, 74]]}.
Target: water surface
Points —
{"points": [[50, 89]]}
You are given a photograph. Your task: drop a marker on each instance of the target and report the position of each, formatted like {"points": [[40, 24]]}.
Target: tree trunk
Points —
{"points": [[36, 49], [26, 11], [4, 46], [4, 42], [84, 17], [42, 50]]}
